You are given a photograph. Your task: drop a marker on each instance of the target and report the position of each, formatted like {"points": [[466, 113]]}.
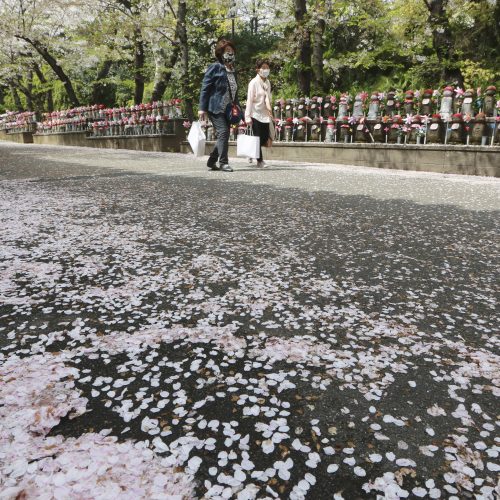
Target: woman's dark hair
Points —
{"points": [[260, 62], [221, 47]]}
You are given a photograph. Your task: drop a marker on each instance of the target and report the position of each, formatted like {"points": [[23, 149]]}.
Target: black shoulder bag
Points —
{"points": [[234, 114]]}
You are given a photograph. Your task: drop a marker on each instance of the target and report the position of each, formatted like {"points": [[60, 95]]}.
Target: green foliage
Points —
{"points": [[477, 76], [124, 92], [367, 45]]}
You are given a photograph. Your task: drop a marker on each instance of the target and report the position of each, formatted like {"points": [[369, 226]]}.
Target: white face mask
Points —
{"points": [[264, 73]]}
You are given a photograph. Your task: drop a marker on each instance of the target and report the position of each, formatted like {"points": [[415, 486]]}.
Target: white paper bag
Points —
{"points": [[248, 146], [197, 138]]}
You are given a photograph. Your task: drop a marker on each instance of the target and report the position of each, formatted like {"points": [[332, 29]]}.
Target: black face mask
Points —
{"points": [[228, 58]]}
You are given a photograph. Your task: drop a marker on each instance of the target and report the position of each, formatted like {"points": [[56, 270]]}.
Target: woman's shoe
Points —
{"points": [[212, 164], [261, 164], [226, 168]]}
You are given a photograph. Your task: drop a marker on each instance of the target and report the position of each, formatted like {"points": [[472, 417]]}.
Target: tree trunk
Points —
{"points": [[163, 72], [16, 98], [99, 90], [43, 80], [56, 68], [442, 41], [254, 22], [317, 55], [304, 36], [29, 88], [164, 69], [139, 59], [183, 40]]}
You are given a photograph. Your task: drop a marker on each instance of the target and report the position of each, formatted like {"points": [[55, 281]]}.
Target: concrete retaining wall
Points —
{"points": [[21, 137], [470, 160], [62, 139], [165, 143], [161, 143]]}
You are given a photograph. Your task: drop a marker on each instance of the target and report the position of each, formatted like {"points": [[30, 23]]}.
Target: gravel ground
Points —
{"points": [[303, 331]]}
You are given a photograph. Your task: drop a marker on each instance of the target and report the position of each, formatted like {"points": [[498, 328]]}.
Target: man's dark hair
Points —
{"points": [[221, 47]]}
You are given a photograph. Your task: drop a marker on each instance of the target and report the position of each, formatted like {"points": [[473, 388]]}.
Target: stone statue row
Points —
{"points": [[145, 120], [24, 121], [396, 129], [450, 101], [451, 117], [151, 118], [136, 126]]}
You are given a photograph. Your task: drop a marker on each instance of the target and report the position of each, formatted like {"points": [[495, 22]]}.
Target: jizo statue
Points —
{"points": [[357, 107], [390, 105], [409, 104], [330, 130], [326, 108], [489, 101], [426, 107], [446, 109], [468, 103], [374, 109], [343, 106]]}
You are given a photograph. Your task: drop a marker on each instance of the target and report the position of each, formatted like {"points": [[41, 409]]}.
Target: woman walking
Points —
{"points": [[218, 94], [258, 111]]}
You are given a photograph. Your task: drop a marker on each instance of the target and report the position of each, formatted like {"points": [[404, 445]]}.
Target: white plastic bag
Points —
{"points": [[248, 146], [197, 138]]}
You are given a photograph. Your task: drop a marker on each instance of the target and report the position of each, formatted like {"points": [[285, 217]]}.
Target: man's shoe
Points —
{"points": [[226, 168], [212, 164]]}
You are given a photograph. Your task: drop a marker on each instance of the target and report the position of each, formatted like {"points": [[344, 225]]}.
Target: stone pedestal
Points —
{"points": [[435, 133], [414, 136], [478, 130], [456, 133], [363, 133], [329, 133], [378, 131], [300, 133], [394, 136], [315, 135], [344, 134]]}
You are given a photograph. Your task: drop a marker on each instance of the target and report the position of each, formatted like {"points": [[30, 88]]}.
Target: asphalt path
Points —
{"points": [[301, 331]]}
